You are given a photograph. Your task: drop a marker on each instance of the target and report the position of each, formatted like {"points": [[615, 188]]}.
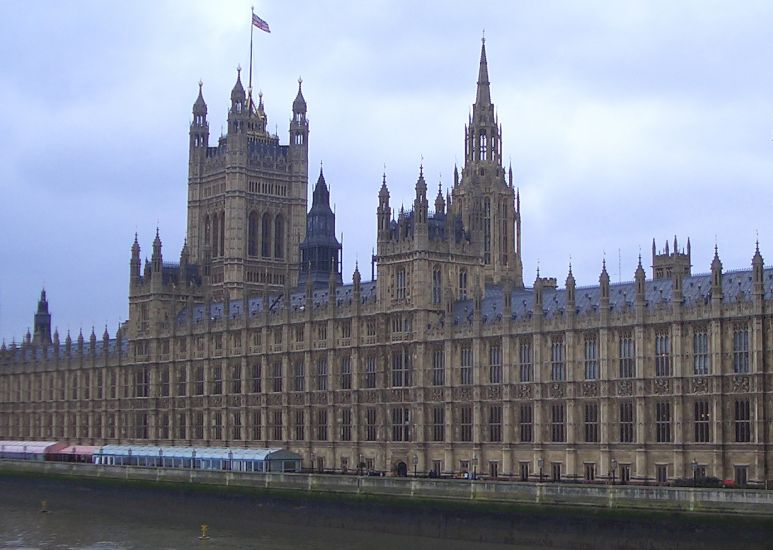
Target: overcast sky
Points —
{"points": [[624, 121]]}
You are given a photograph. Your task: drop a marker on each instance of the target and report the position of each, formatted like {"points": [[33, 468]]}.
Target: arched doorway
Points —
{"points": [[402, 469]]}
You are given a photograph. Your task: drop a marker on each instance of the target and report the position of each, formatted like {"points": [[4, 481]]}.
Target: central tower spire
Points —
{"points": [[483, 96]]}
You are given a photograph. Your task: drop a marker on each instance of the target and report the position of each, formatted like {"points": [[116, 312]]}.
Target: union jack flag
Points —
{"points": [[258, 22]]}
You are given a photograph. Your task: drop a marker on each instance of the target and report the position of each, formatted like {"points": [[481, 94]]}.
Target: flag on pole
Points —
{"points": [[258, 22]]}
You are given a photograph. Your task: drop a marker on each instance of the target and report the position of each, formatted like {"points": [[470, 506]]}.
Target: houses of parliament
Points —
{"points": [[445, 362]]}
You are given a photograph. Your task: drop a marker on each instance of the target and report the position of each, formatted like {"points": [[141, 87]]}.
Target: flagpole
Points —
{"points": [[252, 28]]}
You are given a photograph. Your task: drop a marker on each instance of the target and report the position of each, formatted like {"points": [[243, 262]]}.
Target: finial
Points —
{"points": [[201, 83], [300, 81], [483, 37], [239, 69]]}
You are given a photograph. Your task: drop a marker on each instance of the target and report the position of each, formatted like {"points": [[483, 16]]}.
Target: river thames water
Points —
{"points": [[86, 515]]}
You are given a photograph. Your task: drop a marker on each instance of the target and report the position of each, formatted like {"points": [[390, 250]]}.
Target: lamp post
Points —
{"points": [[474, 467], [540, 463], [312, 463], [694, 472], [415, 464], [614, 470]]}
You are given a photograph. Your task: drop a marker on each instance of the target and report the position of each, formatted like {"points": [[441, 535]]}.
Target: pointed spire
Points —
{"points": [[483, 96], [135, 247], [440, 205], [510, 175], [299, 105], [456, 175], [200, 106], [237, 93]]}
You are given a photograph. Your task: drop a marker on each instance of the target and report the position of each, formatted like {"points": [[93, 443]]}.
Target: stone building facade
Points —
{"points": [[446, 362]]}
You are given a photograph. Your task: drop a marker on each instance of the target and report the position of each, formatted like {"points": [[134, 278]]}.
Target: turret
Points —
{"points": [[571, 285], [420, 204], [42, 331], [604, 285], [299, 134], [320, 250], [383, 212], [157, 260], [440, 203], [758, 273], [135, 264], [199, 131], [640, 278], [238, 112]]}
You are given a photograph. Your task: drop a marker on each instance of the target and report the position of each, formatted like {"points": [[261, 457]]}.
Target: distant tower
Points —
{"points": [[484, 197], [320, 250], [42, 334]]}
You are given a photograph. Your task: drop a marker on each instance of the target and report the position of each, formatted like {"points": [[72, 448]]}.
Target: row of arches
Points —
{"points": [[214, 233]]}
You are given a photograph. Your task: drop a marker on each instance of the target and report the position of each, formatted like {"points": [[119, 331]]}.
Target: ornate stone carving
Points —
{"points": [[590, 389], [524, 391], [436, 394], [319, 398], [741, 384], [699, 385], [661, 386], [298, 398], [625, 387], [344, 397], [274, 399], [494, 392], [556, 390]]}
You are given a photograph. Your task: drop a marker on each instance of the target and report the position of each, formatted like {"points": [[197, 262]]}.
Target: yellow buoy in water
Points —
{"points": [[43, 506], [204, 530]]}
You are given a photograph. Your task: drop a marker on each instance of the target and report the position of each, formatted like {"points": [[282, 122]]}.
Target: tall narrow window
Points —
{"points": [[465, 371], [276, 376], [438, 368], [743, 425], [257, 425], [370, 372], [437, 286], [401, 368], [400, 284], [741, 348], [217, 380], [279, 232], [487, 231], [495, 423], [276, 424], [627, 360], [401, 424], [663, 422], [591, 358], [702, 434], [255, 378], [371, 429], [526, 422], [215, 235], [322, 424], [495, 364], [526, 369], [662, 353], [626, 422], [591, 422], [700, 351], [557, 423], [252, 234], [265, 245], [346, 424], [346, 373], [321, 374], [557, 365], [465, 423], [298, 376], [463, 284], [438, 423], [236, 379], [222, 233]]}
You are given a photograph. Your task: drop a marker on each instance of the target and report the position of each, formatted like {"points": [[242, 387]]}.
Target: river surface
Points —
{"points": [[97, 516]]}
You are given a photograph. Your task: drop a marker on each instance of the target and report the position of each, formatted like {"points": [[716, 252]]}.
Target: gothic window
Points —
{"points": [[700, 351], [436, 285], [252, 240], [299, 424], [207, 230], [557, 365], [401, 424], [495, 423], [662, 353], [465, 372], [346, 373], [591, 358], [215, 235], [370, 424], [276, 377], [298, 376], [558, 423], [236, 379], [526, 369], [626, 422], [266, 236], [526, 422], [370, 372], [743, 425], [482, 142], [400, 284], [465, 423], [346, 424], [438, 368], [663, 422], [322, 424], [321, 374], [495, 364], [627, 364], [222, 233], [591, 422], [463, 284], [401, 368], [256, 425], [740, 348], [279, 237], [438, 423], [702, 422]]}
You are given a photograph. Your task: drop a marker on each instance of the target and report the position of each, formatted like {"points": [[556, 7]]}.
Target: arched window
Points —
{"points": [[436, 285], [487, 230], [252, 234], [215, 235], [483, 145], [279, 237], [206, 231], [463, 284], [265, 229]]}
